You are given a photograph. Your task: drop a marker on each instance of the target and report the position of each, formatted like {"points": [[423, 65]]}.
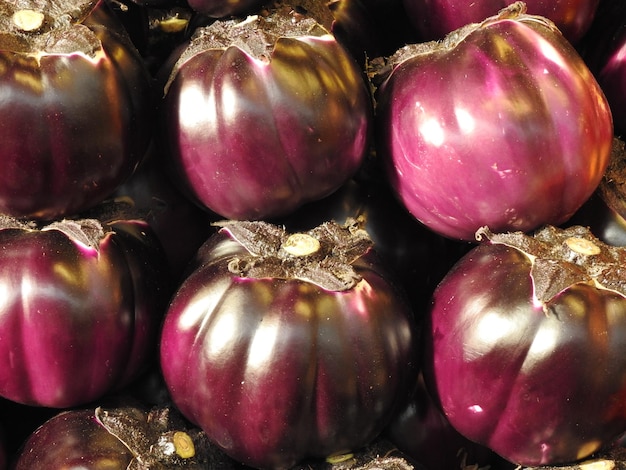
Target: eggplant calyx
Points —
{"points": [[87, 230], [301, 244], [561, 258], [157, 439], [41, 27], [322, 256], [612, 188], [258, 34], [613, 458], [379, 455], [516, 11]]}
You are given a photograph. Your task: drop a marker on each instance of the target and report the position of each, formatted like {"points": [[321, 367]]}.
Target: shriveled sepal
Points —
{"points": [[322, 256], [158, 439], [563, 257], [88, 229]]}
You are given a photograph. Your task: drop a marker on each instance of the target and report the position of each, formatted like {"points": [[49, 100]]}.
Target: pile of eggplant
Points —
{"points": [[300, 234]]}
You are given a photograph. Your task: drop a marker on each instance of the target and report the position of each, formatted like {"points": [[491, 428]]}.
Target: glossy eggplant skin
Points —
{"points": [[72, 439], [254, 139], [493, 128], [421, 431], [73, 126], [537, 387], [76, 321], [279, 370], [435, 18], [415, 256]]}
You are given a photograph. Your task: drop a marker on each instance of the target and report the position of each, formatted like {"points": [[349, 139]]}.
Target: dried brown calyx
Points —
{"points": [[88, 229], [380, 68], [379, 455], [257, 34], [612, 188], [322, 256], [561, 258], [159, 439], [38, 27]]}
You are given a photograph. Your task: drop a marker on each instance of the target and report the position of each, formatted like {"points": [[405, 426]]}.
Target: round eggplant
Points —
{"points": [[117, 438], [524, 345], [436, 18], [501, 124], [82, 301], [75, 103], [265, 114], [284, 347], [604, 49]]}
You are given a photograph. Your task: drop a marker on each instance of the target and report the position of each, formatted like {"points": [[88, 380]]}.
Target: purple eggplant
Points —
{"points": [[119, 437], [524, 345], [421, 431], [70, 439], [284, 347], [82, 301], [417, 257], [501, 124], [265, 114], [75, 107], [436, 18]]}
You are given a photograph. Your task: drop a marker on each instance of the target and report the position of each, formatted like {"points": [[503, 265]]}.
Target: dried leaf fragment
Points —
{"points": [[563, 257], [326, 261]]}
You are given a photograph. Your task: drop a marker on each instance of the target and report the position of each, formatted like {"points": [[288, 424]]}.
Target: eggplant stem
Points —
{"points": [[184, 445], [582, 246], [28, 20], [301, 244], [339, 458]]}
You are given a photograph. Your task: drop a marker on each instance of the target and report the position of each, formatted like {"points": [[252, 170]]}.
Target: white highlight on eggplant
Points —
{"points": [[432, 132], [544, 342], [465, 120], [475, 408], [193, 107], [221, 334], [549, 52], [493, 327], [262, 346]]}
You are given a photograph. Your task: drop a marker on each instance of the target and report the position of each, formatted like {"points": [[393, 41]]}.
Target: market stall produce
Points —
{"points": [[301, 235]]}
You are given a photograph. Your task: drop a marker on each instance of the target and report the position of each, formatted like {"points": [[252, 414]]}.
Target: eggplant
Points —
{"points": [[286, 347], [118, 437], [75, 107], [82, 302], [436, 18], [524, 345], [265, 114], [501, 124]]}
